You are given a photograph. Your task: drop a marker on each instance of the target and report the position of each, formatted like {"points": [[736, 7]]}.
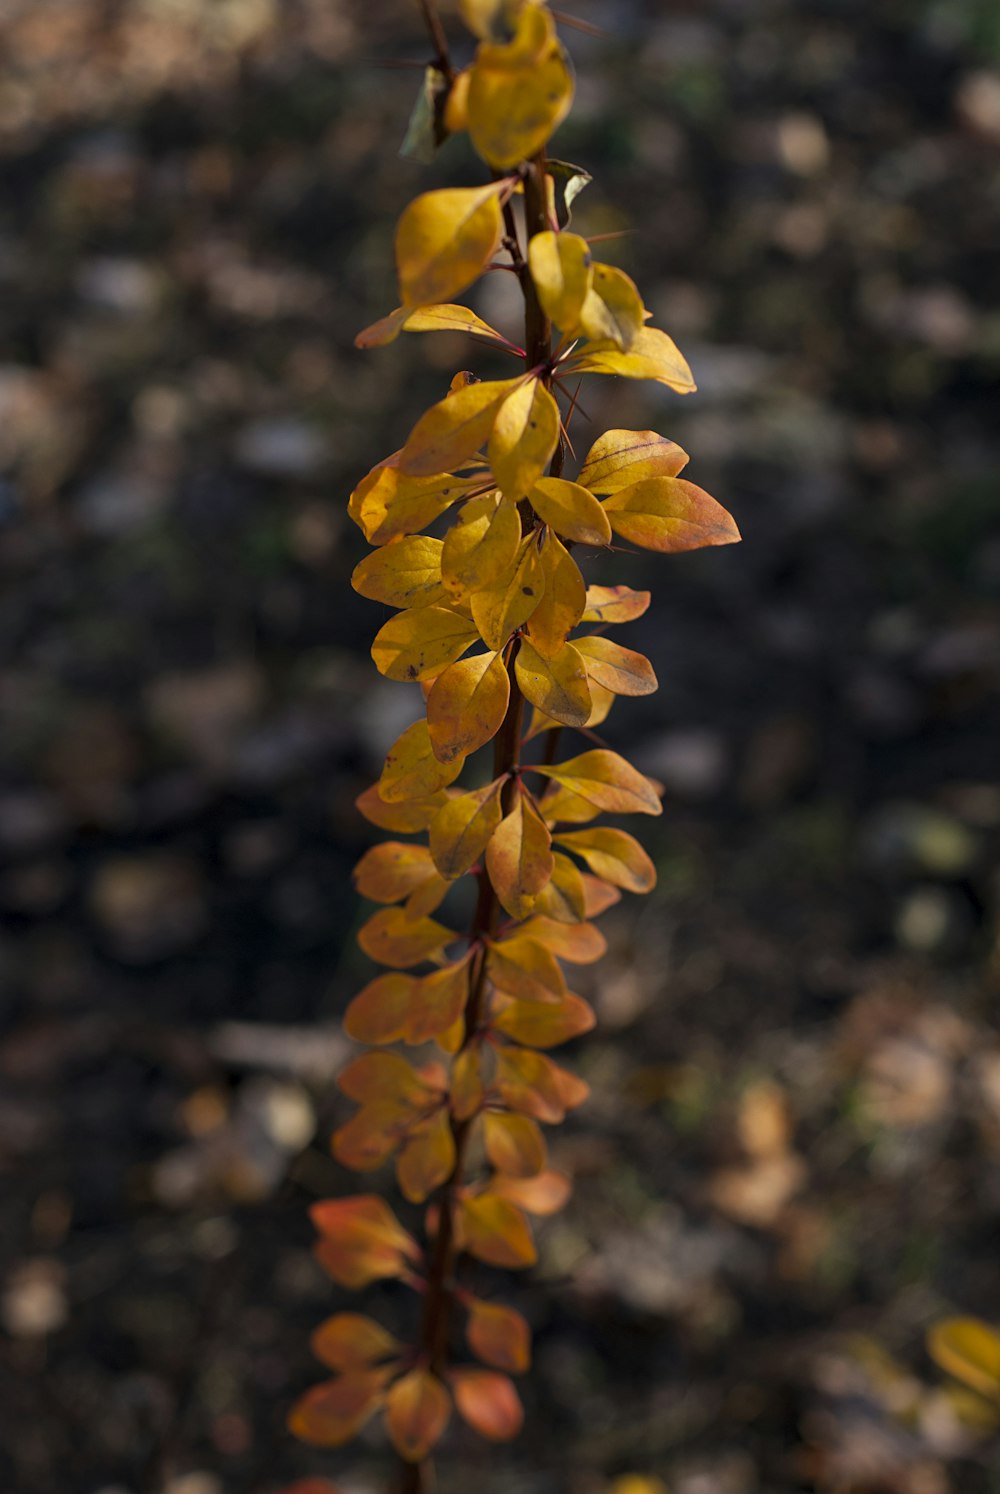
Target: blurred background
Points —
{"points": [[790, 1166]]}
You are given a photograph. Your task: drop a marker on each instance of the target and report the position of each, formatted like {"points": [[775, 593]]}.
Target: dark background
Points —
{"points": [[790, 1166]]}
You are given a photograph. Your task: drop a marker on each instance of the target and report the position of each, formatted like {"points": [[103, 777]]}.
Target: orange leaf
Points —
{"points": [[614, 855], [572, 510], [564, 597], [404, 818], [533, 1085], [563, 899], [608, 781], [620, 670], [599, 896], [525, 968], [461, 829], [437, 1002], [466, 705], [519, 857], [580, 943], [373, 1077], [349, 1340], [331, 1414], [669, 514], [620, 458], [404, 573], [614, 604], [481, 545], [371, 1135], [380, 1013], [417, 1410], [510, 600], [362, 1240], [391, 938], [467, 1090], [499, 1336], [561, 806], [445, 239], [540, 1024], [488, 1402], [453, 430], [428, 1158], [417, 643], [389, 872], [514, 1144], [496, 1232], [525, 433], [546, 1193], [411, 770], [652, 355], [558, 685]]}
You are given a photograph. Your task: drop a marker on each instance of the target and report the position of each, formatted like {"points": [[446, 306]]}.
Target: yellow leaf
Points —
{"points": [[481, 545], [557, 686], [525, 433], [525, 969], [503, 606], [519, 857], [499, 1336], [620, 458], [374, 1078], [454, 429], [437, 1001], [580, 943], [614, 604], [572, 510], [970, 1350], [466, 705], [381, 1012], [467, 1088], [564, 596], [370, 1137], [451, 318], [386, 503], [331, 1414], [445, 239], [462, 827], [561, 806], [401, 819], [564, 899], [488, 1402], [404, 573], [613, 309], [530, 1083], [543, 1024], [417, 1410], [384, 331], [605, 779], [620, 670], [614, 855], [669, 514], [496, 1232], [514, 1144], [561, 270], [389, 872], [653, 355], [411, 770], [349, 1340], [417, 643], [490, 20], [426, 897], [427, 1159], [390, 938], [518, 93]]}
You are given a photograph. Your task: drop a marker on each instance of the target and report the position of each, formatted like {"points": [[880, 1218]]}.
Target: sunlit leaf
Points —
{"points": [[653, 355], [503, 606], [525, 433], [969, 1349], [563, 599], [417, 1410], [557, 686], [422, 133], [620, 458], [417, 643], [572, 510], [451, 318], [620, 670], [496, 1231], [445, 239], [613, 855], [565, 182], [498, 1336], [519, 857], [488, 1402], [614, 604], [669, 514], [411, 770], [542, 1024], [481, 546], [518, 92], [404, 573], [404, 818], [561, 270], [613, 308], [581, 944], [428, 1158], [466, 705], [391, 938], [514, 1144], [332, 1413], [381, 333], [387, 503], [461, 829], [605, 779], [453, 430]]}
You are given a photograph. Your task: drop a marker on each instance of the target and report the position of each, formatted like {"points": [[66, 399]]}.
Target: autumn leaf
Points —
{"points": [[652, 355], [599, 896], [669, 514], [564, 897], [614, 604], [519, 92], [513, 1143], [560, 267], [428, 1158], [467, 1088], [349, 1340], [620, 670], [970, 1350], [531, 1083], [481, 545], [411, 770], [503, 606], [580, 944], [488, 1402], [437, 1002], [539, 1024], [404, 573], [613, 855], [389, 872], [454, 429], [417, 643], [445, 318], [525, 968], [380, 1013], [564, 597], [496, 1232], [498, 1336], [372, 1134], [331, 1414], [417, 1410], [387, 504], [519, 857], [361, 1240], [572, 510], [404, 818], [613, 308], [383, 1077], [391, 938], [462, 827], [546, 1192], [467, 705], [606, 780], [557, 686], [445, 239], [524, 435]]}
